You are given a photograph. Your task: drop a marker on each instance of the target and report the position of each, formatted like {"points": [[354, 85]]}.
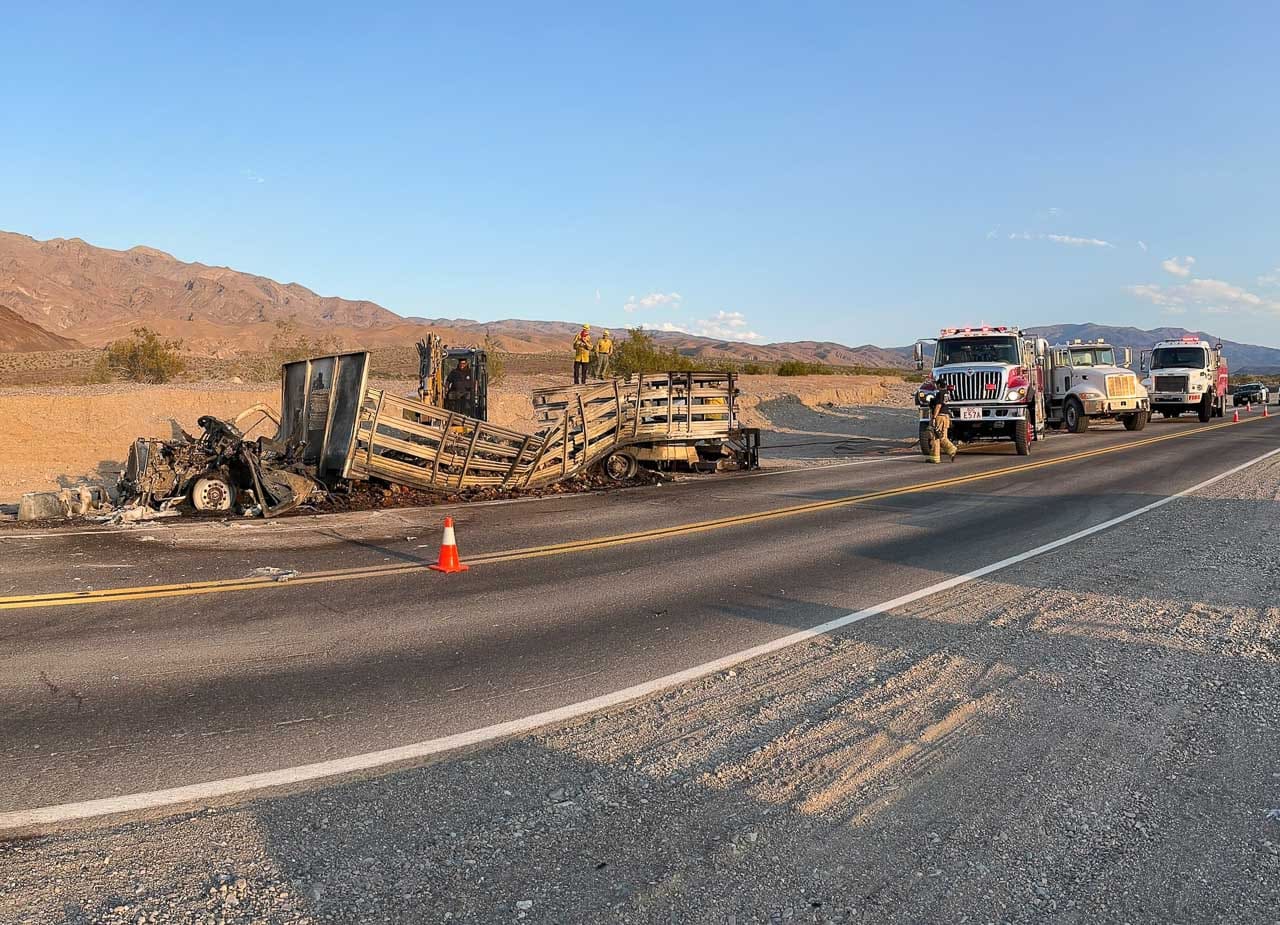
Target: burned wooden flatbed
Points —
{"points": [[353, 431]]}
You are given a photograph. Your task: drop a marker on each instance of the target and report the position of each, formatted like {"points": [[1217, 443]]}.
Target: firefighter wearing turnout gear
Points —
{"points": [[938, 425], [582, 356]]}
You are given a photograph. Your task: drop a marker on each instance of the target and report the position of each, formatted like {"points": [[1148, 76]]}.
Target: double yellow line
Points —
{"points": [[224, 586]]}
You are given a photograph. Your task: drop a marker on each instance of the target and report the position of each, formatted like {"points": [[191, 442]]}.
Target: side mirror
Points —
{"points": [[919, 355], [1042, 348], [1143, 359], [1128, 358]]}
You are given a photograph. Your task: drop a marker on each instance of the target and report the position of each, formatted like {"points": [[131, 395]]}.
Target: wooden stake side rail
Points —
{"points": [[406, 441]]}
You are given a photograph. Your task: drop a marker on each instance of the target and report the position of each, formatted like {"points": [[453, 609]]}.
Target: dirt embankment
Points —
{"points": [[52, 437]]}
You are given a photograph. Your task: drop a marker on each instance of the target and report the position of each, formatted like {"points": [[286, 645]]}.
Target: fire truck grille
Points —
{"points": [[1123, 386], [978, 386], [1171, 383]]}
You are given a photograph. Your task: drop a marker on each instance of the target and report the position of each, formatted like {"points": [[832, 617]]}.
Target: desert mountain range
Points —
{"points": [[65, 293]]}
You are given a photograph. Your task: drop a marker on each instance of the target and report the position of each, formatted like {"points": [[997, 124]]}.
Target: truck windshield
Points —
{"points": [[1093, 356], [977, 350], [1172, 357]]}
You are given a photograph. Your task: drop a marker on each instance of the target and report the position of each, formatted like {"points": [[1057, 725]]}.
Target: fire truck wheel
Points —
{"points": [[1206, 408], [1073, 415], [1136, 421], [1022, 437]]}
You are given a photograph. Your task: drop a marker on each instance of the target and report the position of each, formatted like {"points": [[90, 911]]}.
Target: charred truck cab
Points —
{"points": [[995, 380], [1186, 375]]}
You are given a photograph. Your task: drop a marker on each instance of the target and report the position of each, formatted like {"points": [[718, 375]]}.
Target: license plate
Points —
{"points": [[971, 414]]}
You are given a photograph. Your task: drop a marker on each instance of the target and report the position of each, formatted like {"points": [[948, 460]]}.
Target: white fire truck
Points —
{"points": [[1086, 383], [995, 377], [1186, 375]]}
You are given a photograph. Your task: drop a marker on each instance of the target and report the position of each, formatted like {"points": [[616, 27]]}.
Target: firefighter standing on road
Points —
{"points": [[604, 351], [939, 424], [582, 355]]}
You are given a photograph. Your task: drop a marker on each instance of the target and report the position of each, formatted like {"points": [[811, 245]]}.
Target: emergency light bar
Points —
{"points": [[985, 329]]}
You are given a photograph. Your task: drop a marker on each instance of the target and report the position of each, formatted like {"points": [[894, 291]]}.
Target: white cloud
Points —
{"points": [[252, 177], [597, 295], [654, 300], [721, 326], [1217, 290], [1213, 296], [1270, 279], [1055, 211], [1068, 239], [1143, 245], [1178, 266]]}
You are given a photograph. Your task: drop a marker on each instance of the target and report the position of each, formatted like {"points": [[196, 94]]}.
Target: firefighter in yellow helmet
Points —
{"points": [[582, 355], [604, 352]]}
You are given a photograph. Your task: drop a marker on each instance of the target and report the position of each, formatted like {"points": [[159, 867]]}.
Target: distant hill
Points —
{"points": [[1240, 357], [18, 335], [95, 294], [62, 291]]}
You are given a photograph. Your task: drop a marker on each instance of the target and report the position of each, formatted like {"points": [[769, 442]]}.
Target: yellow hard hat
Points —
{"points": [[586, 327], [605, 333]]}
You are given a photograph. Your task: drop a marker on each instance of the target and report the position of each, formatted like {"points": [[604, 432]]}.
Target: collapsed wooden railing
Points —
{"points": [[406, 441]]}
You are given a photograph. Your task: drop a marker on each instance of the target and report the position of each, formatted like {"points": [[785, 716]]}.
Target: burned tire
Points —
{"points": [[1022, 437], [1205, 410], [621, 466], [212, 494], [1137, 420], [1074, 417]]}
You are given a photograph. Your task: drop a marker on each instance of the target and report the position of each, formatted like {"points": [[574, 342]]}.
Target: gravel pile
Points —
{"points": [[1088, 737]]}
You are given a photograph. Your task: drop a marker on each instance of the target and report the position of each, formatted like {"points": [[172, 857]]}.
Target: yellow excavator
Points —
{"points": [[453, 378]]}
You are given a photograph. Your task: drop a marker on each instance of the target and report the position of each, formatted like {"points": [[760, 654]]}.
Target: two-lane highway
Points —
{"points": [[153, 658]]}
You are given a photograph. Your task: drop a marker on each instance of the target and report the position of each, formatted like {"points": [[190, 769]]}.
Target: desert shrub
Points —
{"points": [[143, 357], [496, 359], [287, 344], [754, 369], [639, 353], [801, 368]]}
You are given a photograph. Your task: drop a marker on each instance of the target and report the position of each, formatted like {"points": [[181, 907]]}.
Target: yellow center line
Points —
{"points": [[226, 585]]}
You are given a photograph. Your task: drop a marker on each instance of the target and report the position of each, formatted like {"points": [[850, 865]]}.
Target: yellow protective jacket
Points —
{"points": [[604, 345], [582, 348]]}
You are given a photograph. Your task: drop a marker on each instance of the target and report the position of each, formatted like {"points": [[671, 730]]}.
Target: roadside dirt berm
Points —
{"points": [[449, 561]]}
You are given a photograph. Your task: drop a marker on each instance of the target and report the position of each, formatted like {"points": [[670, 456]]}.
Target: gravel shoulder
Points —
{"points": [[1093, 736]]}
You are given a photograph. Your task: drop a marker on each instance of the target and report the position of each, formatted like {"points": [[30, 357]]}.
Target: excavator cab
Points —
{"points": [[454, 378]]}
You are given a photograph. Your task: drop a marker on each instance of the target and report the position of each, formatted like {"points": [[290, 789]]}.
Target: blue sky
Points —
{"points": [[790, 171]]}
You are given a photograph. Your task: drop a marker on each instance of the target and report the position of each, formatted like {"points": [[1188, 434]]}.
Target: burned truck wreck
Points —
{"points": [[219, 471], [335, 430]]}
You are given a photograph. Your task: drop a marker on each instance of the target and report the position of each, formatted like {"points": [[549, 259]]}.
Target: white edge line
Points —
{"points": [[210, 790]]}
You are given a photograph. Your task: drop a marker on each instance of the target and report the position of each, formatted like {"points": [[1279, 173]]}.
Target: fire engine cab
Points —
{"points": [[1186, 375]]}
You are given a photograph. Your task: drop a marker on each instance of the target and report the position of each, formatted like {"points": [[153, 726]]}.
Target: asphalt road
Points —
{"points": [[365, 650]]}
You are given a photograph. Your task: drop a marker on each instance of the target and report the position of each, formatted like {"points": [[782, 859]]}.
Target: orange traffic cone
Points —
{"points": [[1265, 412], [1248, 406], [449, 551], [1235, 416]]}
